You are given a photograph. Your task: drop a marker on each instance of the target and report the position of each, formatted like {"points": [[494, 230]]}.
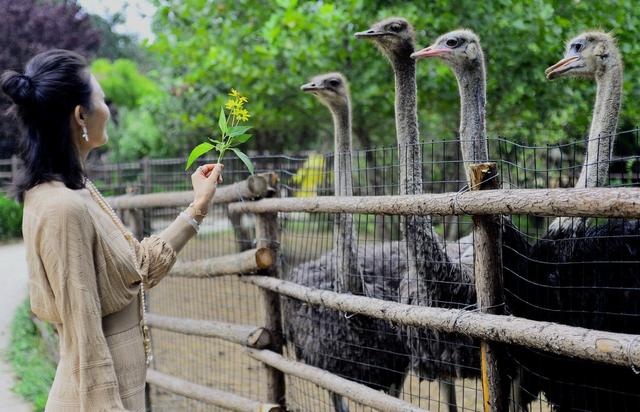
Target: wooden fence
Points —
{"points": [[259, 266]]}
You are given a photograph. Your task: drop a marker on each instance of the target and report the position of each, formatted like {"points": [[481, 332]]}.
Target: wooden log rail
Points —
{"points": [[245, 335], [253, 187], [608, 347], [227, 400], [249, 261], [592, 202], [352, 390]]}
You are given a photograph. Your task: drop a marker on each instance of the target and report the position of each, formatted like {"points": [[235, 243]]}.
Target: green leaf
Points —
{"points": [[222, 121], [245, 159], [237, 130], [198, 151], [237, 140]]}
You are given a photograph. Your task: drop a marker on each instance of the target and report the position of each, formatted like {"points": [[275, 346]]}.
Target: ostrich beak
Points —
{"points": [[310, 87], [371, 33], [561, 67], [430, 51]]}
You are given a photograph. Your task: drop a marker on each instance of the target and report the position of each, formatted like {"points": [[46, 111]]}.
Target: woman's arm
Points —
{"points": [[158, 253]]}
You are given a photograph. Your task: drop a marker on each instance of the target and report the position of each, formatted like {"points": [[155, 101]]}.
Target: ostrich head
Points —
{"points": [[588, 55], [394, 37], [330, 88], [458, 48]]}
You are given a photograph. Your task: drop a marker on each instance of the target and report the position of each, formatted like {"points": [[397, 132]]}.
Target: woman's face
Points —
{"points": [[96, 119]]}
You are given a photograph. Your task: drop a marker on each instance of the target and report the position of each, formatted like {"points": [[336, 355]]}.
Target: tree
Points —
{"points": [[116, 45], [132, 98], [268, 49], [28, 27]]}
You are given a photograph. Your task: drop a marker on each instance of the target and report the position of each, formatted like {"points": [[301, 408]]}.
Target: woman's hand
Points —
{"points": [[205, 181]]}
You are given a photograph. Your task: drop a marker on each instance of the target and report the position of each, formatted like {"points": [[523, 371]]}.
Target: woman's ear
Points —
{"points": [[78, 116]]}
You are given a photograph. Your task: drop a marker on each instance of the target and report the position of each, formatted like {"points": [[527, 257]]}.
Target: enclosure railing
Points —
{"points": [[258, 267]]}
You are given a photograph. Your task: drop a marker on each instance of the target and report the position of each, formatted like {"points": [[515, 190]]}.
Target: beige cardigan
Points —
{"points": [[80, 271]]}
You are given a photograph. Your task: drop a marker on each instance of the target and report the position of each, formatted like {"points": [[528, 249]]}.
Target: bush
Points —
{"points": [[10, 218], [34, 369]]}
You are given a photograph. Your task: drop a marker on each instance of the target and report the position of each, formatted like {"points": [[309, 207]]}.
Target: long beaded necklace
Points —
{"points": [[97, 196]]}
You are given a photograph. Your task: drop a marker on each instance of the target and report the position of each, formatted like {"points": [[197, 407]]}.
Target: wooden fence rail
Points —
{"points": [[352, 390], [245, 335], [593, 202], [211, 396], [608, 347], [246, 262], [254, 187]]}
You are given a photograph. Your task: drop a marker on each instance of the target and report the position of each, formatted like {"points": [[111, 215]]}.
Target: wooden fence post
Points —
{"points": [[487, 238], [268, 235]]}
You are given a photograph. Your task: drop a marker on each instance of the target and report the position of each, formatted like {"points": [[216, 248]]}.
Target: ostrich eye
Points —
{"points": [[451, 43], [577, 47], [334, 83], [395, 27]]}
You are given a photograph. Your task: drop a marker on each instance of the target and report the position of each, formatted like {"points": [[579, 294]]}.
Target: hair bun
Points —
{"points": [[18, 87]]}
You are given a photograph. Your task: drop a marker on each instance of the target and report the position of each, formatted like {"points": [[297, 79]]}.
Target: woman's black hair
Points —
{"points": [[53, 84]]}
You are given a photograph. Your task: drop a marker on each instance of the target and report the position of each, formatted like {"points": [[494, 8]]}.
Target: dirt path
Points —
{"points": [[13, 273]]}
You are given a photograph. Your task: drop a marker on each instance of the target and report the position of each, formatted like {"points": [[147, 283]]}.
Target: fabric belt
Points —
{"points": [[123, 320]]}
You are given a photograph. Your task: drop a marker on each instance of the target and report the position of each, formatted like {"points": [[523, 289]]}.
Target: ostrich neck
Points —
{"points": [[603, 127], [347, 279], [473, 132], [425, 253], [409, 150], [342, 150]]}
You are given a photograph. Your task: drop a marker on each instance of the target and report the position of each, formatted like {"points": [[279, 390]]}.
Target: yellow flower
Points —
{"points": [[242, 99], [234, 93], [241, 114], [231, 104]]}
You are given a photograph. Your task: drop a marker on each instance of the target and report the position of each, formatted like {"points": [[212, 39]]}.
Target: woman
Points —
{"points": [[86, 269]]}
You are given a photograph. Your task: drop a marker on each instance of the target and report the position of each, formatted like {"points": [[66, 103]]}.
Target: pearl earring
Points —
{"points": [[85, 134]]}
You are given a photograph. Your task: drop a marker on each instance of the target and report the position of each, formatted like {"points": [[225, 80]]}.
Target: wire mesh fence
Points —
{"points": [[582, 275]]}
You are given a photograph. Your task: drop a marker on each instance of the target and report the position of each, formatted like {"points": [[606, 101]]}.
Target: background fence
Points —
{"points": [[305, 237]]}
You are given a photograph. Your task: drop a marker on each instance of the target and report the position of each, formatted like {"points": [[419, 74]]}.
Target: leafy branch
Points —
{"points": [[233, 134]]}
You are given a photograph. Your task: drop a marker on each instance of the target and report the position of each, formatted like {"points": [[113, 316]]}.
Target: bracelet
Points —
{"points": [[198, 212], [191, 221]]}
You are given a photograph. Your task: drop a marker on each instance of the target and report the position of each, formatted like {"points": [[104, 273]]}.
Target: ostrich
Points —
{"points": [[462, 52], [431, 279], [591, 270], [363, 349]]}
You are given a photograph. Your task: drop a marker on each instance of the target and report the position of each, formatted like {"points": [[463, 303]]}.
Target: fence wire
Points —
{"points": [[583, 275]]}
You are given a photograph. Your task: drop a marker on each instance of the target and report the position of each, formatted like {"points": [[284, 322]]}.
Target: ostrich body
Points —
{"points": [[360, 348], [592, 272], [431, 279], [461, 50]]}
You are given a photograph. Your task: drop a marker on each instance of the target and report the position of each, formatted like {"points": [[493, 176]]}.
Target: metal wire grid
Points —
{"points": [[306, 237]]}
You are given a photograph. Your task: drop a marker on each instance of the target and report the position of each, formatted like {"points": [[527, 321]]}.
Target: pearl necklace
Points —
{"points": [[97, 196]]}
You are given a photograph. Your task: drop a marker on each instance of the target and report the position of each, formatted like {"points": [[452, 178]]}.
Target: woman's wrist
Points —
{"points": [[201, 206], [196, 212]]}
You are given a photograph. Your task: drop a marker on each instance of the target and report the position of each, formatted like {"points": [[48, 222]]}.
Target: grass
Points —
{"points": [[28, 356]]}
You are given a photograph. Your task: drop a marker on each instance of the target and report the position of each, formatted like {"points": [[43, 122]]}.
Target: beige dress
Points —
{"points": [[82, 279]]}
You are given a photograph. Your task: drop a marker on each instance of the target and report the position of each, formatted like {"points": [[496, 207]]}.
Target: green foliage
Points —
{"points": [[10, 218], [114, 45], [28, 356], [134, 100], [135, 136], [269, 49], [122, 83]]}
